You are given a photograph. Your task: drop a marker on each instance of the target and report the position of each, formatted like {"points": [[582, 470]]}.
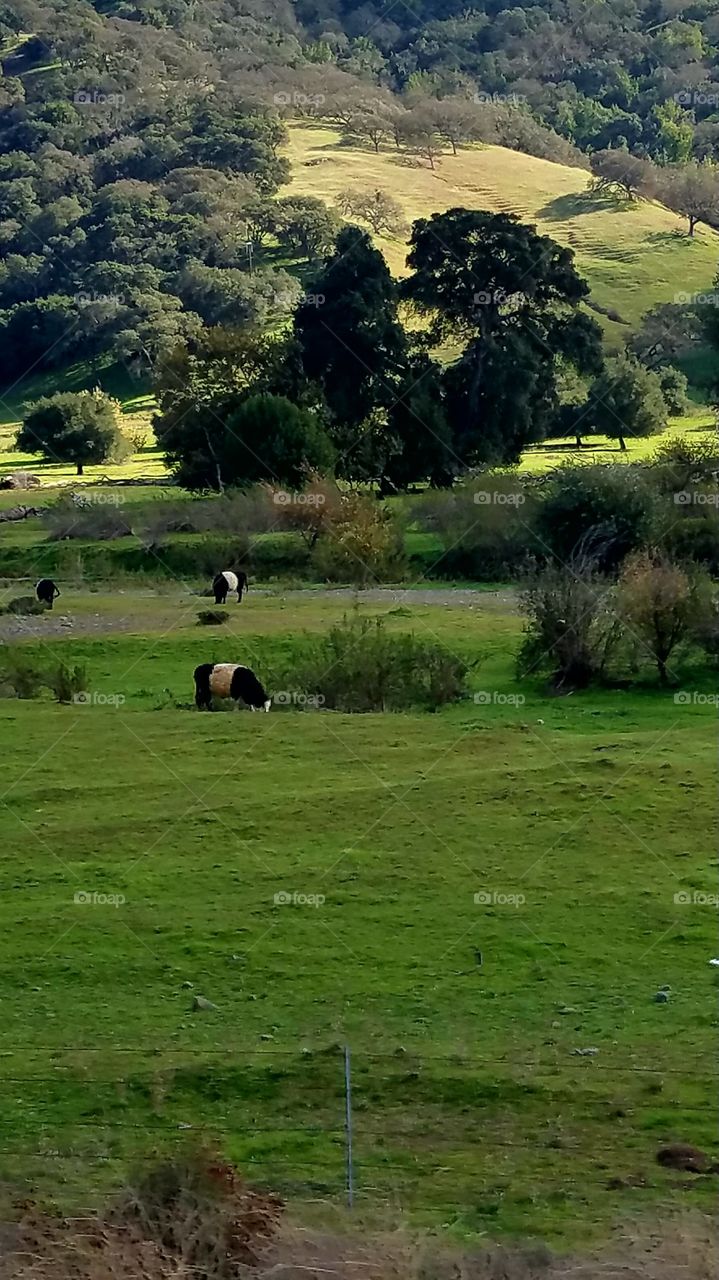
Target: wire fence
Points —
{"points": [[347, 1126]]}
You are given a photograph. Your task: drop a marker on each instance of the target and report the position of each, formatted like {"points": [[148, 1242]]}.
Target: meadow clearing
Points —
{"points": [[505, 886]]}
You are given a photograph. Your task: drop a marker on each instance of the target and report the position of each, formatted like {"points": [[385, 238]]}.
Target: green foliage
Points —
{"points": [[604, 512], [626, 400], [27, 675], [570, 631], [212, 617], [361, 543], [675, 385], [79, 427], [511, 297], [360, 666]]}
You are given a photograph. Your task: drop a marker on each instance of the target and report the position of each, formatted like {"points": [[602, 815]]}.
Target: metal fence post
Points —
{"points": [[348, 1126]]}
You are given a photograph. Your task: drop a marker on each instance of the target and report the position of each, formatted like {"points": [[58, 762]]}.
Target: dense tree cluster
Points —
{"points": [[138, 185], [506, 297]]}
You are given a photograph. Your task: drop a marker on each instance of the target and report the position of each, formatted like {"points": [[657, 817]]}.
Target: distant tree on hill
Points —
{"points": [[692, 190], [626, 400], [78, 427], [383, 213], [306, 226], [618, 168]]}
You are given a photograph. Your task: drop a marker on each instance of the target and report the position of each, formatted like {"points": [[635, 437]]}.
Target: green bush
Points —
{"points": [[362, 543], [24, 607], [596, 511], [212, 617], [360, 666], [484, 526], [27, 676]]}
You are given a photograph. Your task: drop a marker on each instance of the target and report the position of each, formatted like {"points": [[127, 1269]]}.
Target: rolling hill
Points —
{"points": [[633, 254]]}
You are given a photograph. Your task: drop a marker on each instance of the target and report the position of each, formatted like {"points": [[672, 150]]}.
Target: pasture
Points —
{"points": [[498, 888], [633, 254]]}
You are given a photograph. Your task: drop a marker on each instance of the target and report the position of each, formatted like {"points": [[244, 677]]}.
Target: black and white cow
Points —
{"points": [[46, 591], [228, 581], [229, 680]]}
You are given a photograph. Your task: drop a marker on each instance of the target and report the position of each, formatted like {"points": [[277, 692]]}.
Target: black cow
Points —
{"points": [[229, 680], [228, 581], [47, 592]]}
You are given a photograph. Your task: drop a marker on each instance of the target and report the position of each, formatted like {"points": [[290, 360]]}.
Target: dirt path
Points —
{"points": [[164, 615]]}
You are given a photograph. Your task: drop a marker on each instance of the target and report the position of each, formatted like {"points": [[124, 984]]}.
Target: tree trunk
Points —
{"points": [[622, 444], [80, 470], [454, 146], [692, 223], [578, 439], [662, 669]]}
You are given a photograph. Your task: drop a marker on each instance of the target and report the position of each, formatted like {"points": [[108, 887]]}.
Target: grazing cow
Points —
{"points": [[229, 680], [228, 581], [46, 591]]}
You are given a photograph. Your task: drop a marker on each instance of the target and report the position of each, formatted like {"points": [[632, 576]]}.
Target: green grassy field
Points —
{"points": [[578, 821]]}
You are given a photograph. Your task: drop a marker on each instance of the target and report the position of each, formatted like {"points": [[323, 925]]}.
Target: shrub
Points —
{"points": [[484, 525], [661, 604], [674, 386], [24, 606], [360, 666], [65, 682], [212, 617], [27, 676], [362, 543], [66, 521], [20, 672], [598, 511], [571, 631]]}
